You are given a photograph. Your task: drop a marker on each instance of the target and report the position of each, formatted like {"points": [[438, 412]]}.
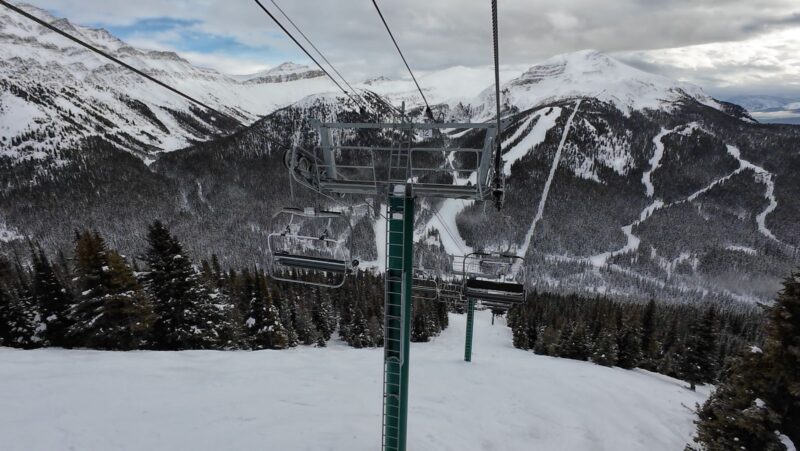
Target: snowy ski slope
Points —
{"points": [[330, 399]]}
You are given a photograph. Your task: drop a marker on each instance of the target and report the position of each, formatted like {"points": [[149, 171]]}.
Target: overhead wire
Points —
{"points": [[322, 55], [447, 230], [115, 60], [498, 190], [308, 54], [148, 77], [428, 111]]}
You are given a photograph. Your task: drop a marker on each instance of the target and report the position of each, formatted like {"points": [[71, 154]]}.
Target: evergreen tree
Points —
{"points": [[262, 322], [574, 345], [734, 417], [112, 311], [759, 396], [323, 317], [648, 339], [698, 358], [53, 299], [783, 351], [629, 347], [22, 326], [605, 352], [189, 316]]}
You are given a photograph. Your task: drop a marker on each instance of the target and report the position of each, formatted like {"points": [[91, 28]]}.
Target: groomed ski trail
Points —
{"points": [[543, 201]]}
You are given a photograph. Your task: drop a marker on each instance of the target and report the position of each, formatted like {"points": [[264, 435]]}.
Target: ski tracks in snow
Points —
{"points": [[655, 161], [761, 175], [765, 177], [543, 201]]}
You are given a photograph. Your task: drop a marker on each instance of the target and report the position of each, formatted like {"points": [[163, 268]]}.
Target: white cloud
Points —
{"points": [[225, 64], [708, 41], [767, 63]]}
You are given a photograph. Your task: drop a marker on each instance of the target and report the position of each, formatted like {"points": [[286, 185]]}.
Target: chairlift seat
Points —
{"points": [[494, 291], [311, 263]]}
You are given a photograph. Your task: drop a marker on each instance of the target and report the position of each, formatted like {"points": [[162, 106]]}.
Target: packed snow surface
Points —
{"points": [[546, 119], [330, 399]]}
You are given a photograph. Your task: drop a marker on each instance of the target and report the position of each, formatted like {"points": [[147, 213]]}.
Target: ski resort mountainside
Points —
{"points": [[619, 182]]}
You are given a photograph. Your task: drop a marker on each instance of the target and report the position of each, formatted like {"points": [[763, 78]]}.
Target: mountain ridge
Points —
{"points": [[647, 196]]}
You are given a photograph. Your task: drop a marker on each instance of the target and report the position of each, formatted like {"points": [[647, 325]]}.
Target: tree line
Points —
{"points": [[97, 298], [751, 353], [687, 341]]}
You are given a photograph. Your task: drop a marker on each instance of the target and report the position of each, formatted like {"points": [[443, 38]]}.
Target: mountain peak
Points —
{"points": [[283, 72], [591, 73], [288, 67], [36, 11]]}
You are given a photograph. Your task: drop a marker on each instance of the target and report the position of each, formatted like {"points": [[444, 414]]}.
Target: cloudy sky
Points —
{"points": [[729, 47]]}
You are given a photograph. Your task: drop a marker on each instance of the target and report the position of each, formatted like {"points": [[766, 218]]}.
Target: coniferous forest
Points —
{"points": [[688, 341], [164, 300], [96, 298]]}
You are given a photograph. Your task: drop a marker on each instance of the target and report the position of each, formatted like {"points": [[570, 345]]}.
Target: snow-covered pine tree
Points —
{"points": [[53, 300], [605, 350], [420, 323], [190, 314], [574, 345], [783, 351], [650, 349], [284, 302], [629, 346], [323, 316], [262, 320], [112, 311], [698, 357], [307, 334], [21, 321], [735, 416]]}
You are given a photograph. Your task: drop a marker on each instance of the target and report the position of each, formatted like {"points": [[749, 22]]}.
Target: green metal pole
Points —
{"points": [[397, 325], [470, 322]]}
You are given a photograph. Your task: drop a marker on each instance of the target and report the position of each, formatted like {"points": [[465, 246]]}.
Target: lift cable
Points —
{"points": [[498, 190], [116, 60], [447, 229], [154, 80], [278, 23], [428, 111], [294, 25]]}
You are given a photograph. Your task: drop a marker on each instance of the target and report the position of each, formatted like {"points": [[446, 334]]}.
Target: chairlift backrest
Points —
{"points": [[496, 279], [365, 158], [424, 286], [309, 243]]}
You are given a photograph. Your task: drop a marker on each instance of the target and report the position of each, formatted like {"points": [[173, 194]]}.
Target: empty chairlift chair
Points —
{"points": [[450, 291], [311, 243], [424, 286], [497, 280], [455, 161]]}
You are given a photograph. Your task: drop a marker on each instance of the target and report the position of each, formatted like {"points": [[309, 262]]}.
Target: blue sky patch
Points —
{"points": [[182, 35]]}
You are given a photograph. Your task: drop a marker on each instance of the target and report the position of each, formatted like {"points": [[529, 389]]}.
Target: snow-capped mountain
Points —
{"points": [[281, 74], [54, 93], [771, 109], [766, 103], [620, 182], [589, 74]]}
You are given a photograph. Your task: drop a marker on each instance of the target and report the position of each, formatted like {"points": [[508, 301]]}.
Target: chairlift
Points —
{"points": [[450, 291], [366, 158], [307, 244], [424, 287], [494, 279]]}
